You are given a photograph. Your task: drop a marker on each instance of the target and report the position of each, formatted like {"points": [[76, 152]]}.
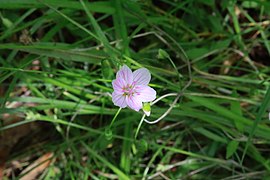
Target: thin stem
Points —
{"points": [[178, 74], [161, 97], [166, 113], [115, 116], [139, 126]]}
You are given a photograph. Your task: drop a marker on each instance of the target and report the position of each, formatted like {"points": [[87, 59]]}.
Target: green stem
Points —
{"points": [[178, 74], [139, 126], [115, 116]]}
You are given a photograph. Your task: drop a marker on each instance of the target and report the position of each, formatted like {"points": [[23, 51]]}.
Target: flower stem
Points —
{"points": [[178, 74], [115, 116], [139, 126], [108, 131]]}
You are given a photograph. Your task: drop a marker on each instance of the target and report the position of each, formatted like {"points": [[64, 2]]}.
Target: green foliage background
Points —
{"points": [[65, 53]]}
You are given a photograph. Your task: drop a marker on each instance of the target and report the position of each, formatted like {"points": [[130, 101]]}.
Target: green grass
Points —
{"points": [[57, 61]]}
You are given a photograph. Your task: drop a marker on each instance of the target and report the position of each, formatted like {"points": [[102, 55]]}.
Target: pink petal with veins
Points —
{"points": [[145, 93], [141, 76], [119, 100], [118, 85], [134, 102], [125, 74]]}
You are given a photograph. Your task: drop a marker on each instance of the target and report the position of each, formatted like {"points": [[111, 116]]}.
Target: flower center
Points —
{"points": [[129, 90]]}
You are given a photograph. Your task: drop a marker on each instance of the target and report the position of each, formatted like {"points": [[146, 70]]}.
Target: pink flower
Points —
{"points": [[131, 89]]}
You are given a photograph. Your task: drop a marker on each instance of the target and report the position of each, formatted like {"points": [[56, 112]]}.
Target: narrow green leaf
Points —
{"points": [[210, 135], [222, 111], [231, 148], [120, 174], [92, 57], [264, 106], [120, 26], [256, 154], [11, 88], [101, 6], [125, 162], [236, 108], [100, 35]]}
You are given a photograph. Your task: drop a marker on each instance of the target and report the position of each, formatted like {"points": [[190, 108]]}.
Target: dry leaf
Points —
{"points": [[37, 167]]}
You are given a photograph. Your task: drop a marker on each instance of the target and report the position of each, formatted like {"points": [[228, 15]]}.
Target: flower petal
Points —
{"points": [[118, 85], [126, 74], [142, 76], [145, 93], [119, 100], [134, 102]]}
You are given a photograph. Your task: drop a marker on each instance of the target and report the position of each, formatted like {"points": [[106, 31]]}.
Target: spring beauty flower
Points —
{"points": [[131, 88]]}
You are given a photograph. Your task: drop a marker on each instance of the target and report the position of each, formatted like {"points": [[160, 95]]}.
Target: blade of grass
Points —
{"points": [[55, 52], [264, 106], [101, 36], [16, 23], [11, 88], [120, 25], [125, 162], [117, 171], [101, 6], [25, 62]]}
